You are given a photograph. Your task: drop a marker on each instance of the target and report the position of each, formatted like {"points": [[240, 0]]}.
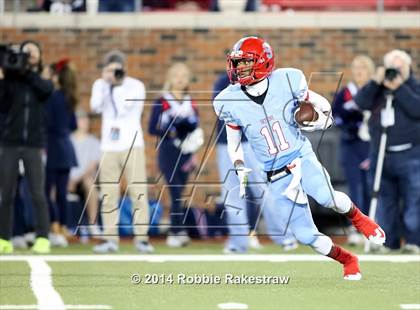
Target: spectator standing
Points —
{"points": [[82, 177], [122, 146], [175, 116], [61, 157], [354, 142], [22, 100], [401, 170]]}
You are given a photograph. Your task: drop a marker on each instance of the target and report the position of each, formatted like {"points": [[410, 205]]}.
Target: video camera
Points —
{"points": [[12, 59]]}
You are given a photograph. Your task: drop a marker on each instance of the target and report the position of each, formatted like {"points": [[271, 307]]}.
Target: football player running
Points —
{"points": [[261, 103]]}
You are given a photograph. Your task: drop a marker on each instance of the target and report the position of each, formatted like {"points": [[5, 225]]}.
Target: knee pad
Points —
{"points": [[322, 245], [306, 235], [341, 202]]}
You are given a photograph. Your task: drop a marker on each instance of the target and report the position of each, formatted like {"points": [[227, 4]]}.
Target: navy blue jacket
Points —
{"points": [[22, 105], [171, 129], [348, 120], [407, 111], [60, 123]]}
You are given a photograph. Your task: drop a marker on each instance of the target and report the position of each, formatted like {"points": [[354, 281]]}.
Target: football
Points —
{"points": [[305, 113]]}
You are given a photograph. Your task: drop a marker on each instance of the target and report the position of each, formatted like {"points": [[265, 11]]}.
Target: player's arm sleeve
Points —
{"points": [[300, 87], [223, 112], [97, 96], [234, 146], [233, 130], [323, 107], [319, 101]]}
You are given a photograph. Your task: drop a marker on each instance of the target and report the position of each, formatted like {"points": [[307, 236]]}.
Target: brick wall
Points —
{"points": [[150, 52]]}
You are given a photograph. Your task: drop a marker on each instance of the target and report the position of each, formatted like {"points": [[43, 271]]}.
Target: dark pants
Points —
{"points": [[400, 186], [23, 213], [352, 155], [34, 172], [58, 179], [170, 163]]}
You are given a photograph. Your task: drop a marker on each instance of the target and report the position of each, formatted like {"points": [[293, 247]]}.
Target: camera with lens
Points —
{"points": [[391, 73], [12, 59], [119, 74]]}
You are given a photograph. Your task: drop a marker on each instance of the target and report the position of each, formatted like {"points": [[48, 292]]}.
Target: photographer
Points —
{"points": [[23, 94], [401, 170], [120, 99]]}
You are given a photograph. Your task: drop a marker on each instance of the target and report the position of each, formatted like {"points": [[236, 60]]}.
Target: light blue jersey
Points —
{"points": [[270, 127], [276, 141]]}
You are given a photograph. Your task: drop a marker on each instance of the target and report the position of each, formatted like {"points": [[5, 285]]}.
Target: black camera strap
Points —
{"points": [[114, 105]]}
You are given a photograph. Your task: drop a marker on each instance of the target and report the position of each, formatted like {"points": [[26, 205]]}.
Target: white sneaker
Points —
{"points": [[228, 250], [177, 241], [355, 238], [57, 240], [408, 249], [144, 247], [379, 249], [19, 242], [95, 231], [83, 234], [30, 237], [254, 243], [106, 247], [173, 241], [184, 238], [289, 244]]}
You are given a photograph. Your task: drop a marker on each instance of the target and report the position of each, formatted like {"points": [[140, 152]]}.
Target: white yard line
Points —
{"points": [[41, 284], [232, 306], [410, 306], [206, 258], [89, 307]]}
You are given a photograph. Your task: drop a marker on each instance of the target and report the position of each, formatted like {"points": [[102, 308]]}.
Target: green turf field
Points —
{"points": [[311, 285]]}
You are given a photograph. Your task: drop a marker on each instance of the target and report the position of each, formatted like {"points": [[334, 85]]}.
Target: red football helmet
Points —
{"points": [[246, 50]]}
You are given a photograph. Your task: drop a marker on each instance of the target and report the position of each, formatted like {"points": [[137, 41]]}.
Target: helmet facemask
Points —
{"points": [[245, 74], [246, 49]]}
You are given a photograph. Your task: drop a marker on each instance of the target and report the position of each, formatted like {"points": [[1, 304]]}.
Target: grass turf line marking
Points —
{"points": [[68, 307], [410, 306], [41, 285], [206, 258], [232, 306]]}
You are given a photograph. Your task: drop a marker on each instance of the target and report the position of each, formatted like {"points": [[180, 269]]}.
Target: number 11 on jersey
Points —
{"points": [[272, 148]]}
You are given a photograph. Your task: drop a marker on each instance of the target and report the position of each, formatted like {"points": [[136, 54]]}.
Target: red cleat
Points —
{"points": [[365, 225], [349, 262], [352, 270]]}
